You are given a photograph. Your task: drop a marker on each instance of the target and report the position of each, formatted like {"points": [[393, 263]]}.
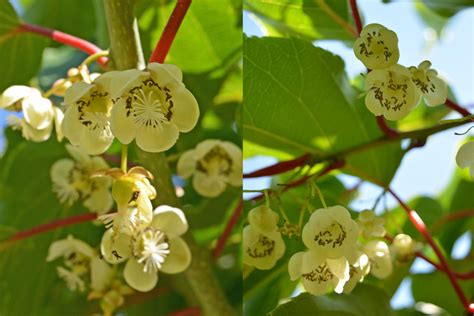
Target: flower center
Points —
{"points": [[94, 110], [216, 162], [375, 45], [263, 248], [320, 274], [392, 94], [149, 104], [151, 249], [422, 81], [334, 236]]}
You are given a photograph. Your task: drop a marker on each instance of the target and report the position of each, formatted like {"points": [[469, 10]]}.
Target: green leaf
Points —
{"points": [[27, 201], [211, 31], [448, 8], [301, 18], [20, 53], [365, 300], [298, 100]]}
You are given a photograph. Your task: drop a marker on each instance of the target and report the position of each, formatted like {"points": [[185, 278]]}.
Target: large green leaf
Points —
{"points": [[20, 53], [365, 300], [298, 100], [448, 8], [209, 38], [303, 18]]}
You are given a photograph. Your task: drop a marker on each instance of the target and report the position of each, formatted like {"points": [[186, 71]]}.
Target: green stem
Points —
{"points": [[123, 160], [127, 53]]}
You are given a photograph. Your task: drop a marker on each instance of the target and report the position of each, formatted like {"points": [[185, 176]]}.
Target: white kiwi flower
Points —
{"points": [[72, 181], [465, 157], [319, 274], [370, 224], [262, 242], [213, 164], [380, 260], [433, 88], [330, 232], [391, 92], [156, 248], [377, 47], [153, 107]]}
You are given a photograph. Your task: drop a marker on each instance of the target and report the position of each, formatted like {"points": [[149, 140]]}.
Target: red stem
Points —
{"points": [[221, 242], [462, 276], [387, 130], [420, 226], [190, 311], [333, 166], [169, 33], [355, 14], [457, 108], [76, 219], [280, 167], [64, 38]]}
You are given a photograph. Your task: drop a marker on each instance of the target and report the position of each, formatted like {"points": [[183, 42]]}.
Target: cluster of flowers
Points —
{"points": [[85, 270], [152, 107], [393, 90], [341, 251]]}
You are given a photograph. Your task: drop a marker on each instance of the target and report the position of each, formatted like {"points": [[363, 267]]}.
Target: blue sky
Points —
{"points": [[424, 171]]}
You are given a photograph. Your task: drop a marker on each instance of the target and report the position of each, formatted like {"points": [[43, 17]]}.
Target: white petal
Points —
{"points": [[69, 244], [71, 127], [58, 120], [14, 94], [95, 141], [137, 278], [295, 264], [373, 104], [208, 186], [100, 201], [77, 91], [185, 110], [440, 93], [171, 69], [122, 125], [339, 267], [263, 219], [122, 81], [101, 274], [186, 164], [60, 171], [170, 220], [157, 139], [115, 248], [179, 258], [165, 76], [38, 112], [465, 155]]}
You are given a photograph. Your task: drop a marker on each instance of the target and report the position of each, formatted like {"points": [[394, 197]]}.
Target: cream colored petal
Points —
{"points": [[77, 154], [235, 177], [438, 93], [185, 110], [95, 141], [60, 171], [465, 155], [100, 201], [165, 76], [339, 267], [115, 248], [137, 278], [170, 220], [14, 94], [294, 265], [373, 104], [263, 219], [172, 69], [262, 251], [208, 186], [120, 82], [77, 91], [71, 127], [38, 111], [179, 258], [157, 139], [123, 126], [186, 164], [58, 120], [70, 244], [33, 134], [101, 274], [205, 146]]}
